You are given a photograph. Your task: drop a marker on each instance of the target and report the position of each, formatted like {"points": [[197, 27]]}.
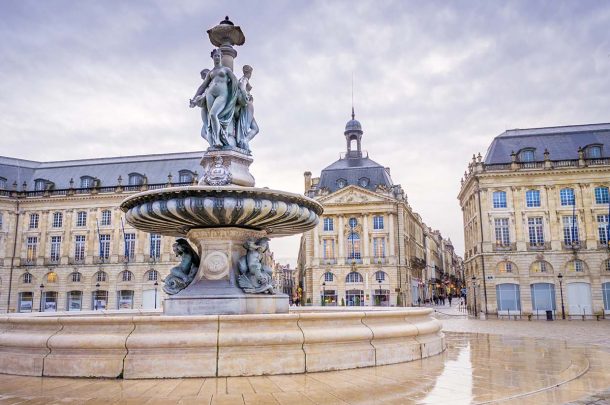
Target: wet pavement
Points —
{"points": [[475, 368]]}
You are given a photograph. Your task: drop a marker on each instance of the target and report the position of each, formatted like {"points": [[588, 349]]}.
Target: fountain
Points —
{"points": [[223, 316]]}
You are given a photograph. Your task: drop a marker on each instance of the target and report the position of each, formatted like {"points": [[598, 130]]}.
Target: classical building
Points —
{"points": [[64, 243], [370, 247], [535, 213]]}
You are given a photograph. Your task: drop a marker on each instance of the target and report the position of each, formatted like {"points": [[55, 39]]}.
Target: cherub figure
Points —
{"points": [[255, 277], [184, 273]]}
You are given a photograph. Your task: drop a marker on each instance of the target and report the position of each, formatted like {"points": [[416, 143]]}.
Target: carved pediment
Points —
{"points": [[353, 195]]}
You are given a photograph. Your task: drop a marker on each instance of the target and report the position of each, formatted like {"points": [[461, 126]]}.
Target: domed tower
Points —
{"points": [[353, 137]]}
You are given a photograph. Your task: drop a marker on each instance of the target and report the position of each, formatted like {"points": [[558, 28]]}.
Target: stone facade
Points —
{"points": [[370, 248], [40, 231], [519, 204]]}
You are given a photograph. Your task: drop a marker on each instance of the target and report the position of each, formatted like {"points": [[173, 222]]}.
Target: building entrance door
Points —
{"points": [[354, 298], [148, 299], [579, 299]]}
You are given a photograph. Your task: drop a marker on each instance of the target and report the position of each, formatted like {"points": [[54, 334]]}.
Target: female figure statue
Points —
{"points": [[247, 128], [183, 274], [219, 89]]}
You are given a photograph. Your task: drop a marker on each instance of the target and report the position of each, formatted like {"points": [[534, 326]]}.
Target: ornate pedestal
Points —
{"points": [[225, 166], [215, 289]]}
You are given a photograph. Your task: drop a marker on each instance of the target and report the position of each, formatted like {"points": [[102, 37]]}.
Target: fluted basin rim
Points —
{"points": [[176, 210]]}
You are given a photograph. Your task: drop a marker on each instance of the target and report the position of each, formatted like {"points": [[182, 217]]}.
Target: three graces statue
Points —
{"points": [[227, 109]]}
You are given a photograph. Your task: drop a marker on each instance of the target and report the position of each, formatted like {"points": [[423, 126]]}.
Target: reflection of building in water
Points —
{"points": [[534, 209], [370, 247], [63, 222]]}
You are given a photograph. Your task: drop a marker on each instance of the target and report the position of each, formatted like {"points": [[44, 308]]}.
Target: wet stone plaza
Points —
{"points": [[519, 366]]}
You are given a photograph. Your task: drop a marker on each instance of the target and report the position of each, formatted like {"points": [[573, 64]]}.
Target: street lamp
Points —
{"points": [[324, 293], [474, 293], [563, 311], [156, 285], [41, 288], [379, 292], [95, 298]]}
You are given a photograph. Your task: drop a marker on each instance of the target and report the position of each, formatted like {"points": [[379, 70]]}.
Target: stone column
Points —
{"points": [[341, 233], [316, 246], [391, 250], [366, 251]]}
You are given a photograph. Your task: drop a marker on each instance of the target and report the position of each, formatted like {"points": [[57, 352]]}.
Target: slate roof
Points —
{"points": [[155, 167], [561, 142], [352, 170]]}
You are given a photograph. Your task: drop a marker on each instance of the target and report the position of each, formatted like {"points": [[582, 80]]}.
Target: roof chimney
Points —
{"points": [[307, 181]]}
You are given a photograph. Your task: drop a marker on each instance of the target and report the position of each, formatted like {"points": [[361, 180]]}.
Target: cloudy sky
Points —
{"points": [[434, 82]]}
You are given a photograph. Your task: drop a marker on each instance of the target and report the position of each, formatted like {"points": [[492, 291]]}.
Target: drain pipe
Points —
{"points": [[482, 238], [10, 278]]}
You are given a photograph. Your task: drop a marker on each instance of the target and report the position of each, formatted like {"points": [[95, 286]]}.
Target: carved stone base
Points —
{"points": [[223, 167], [214, 290]]}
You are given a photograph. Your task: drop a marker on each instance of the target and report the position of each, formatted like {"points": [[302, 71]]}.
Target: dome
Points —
{"points": [[353, 125]]}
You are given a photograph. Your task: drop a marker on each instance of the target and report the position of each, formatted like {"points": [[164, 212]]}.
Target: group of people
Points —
{"points": [[443, 300]]}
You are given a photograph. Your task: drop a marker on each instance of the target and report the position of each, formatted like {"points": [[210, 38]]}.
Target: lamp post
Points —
{"points": [[563, 311], [379, 292], [95, 298], [40, 306], [474, 293], [324, 293], [156, 285]]}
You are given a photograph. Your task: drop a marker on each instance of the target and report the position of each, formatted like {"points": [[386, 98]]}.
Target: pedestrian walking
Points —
{"points": [[450, 299]]}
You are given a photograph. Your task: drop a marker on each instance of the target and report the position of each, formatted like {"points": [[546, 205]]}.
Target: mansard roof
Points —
{"points": [[561, 142], [155, 167], [352, 170]]}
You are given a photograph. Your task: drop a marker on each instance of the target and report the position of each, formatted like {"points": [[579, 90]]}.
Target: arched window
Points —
{"points": [[40, 184], [499, 199], [51, 277], [543, 297], [594, 152], [363, 182], [152, 275], [601, 195], [540, 266], [27, 278], [575, 266], [2, 183], [106, 219], [75, 277], [136, 179], [353, 246], [508, 297], [126, 275], [532, 198], [86, 182], [101, 277], [185, 176], [566, 196], [527, 155], [380, 276], [352, 222], [507, 267], [354, 277], [341, 183], [329, 277]]}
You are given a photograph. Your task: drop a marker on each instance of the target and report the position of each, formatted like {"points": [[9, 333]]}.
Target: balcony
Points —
{"points": [[51, 261], [101, 259], [152, 258], [538, 246], [126, 259], [576, 245], [28, 262], [354, 260], [504, 247], [75, 260], [328, 261], [379, 260]]}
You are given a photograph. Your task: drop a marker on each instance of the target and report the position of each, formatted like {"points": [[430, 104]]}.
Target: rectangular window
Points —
{"points": [[130, 245], [104, 246], [58, 219], [106, 218], [328, 224], [570, 230], [31, 248], [532, 198], [566, 196], [55, 248], [79, 248], [499, 199], [34, 218], [535, 231], [81, 218], [601, 195], [328, 248], [379, 247], [26, 300], [155, 245], [378, 222], [602, 228], [502, 233], [75, 299]]}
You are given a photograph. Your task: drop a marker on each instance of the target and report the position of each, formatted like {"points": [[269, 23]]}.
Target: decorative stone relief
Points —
{"points": [[215, 266], [218, 174]]}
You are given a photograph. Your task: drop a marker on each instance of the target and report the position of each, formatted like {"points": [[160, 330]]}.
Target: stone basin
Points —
{"points": [[174, 211]]}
